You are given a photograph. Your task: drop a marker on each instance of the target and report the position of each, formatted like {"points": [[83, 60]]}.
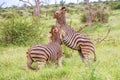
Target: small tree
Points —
{"points": [[2, 4], [55, 1], [77, 1], [62, 2], [110, 6], [36, 6], [94, 14]]}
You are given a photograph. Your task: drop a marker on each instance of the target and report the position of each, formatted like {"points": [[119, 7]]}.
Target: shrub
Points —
{"points": [[105, 17], [83, 18], [18, 31], [116, 5], [67, 51], [62, 3], [7, 15]]}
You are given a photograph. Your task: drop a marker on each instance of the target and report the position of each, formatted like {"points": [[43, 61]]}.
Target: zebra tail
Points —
{"points": [[94, 56]]}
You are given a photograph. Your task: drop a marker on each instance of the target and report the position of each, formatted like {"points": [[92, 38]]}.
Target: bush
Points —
{"points": [[7, 15], [105, 17], [62, 3], [83, 18], [67, 51], [115, 5], [18, 31]]}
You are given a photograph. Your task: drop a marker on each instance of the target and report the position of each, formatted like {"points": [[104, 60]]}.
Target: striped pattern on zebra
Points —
{"points": [[73, 39], [42, 53]]}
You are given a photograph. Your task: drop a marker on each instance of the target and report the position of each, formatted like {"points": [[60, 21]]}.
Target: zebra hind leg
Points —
{"points": [[85, 57], [88, 59], [40, 65], [81, 55]]}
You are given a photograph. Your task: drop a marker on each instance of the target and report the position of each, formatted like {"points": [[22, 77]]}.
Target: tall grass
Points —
{"points": [[106, 68]]}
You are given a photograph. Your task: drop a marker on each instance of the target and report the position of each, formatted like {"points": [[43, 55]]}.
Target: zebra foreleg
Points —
{"points": [[60, 61]]}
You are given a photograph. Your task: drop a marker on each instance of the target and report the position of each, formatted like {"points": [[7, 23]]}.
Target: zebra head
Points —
{"points": [[55, 35], [60, 12]]}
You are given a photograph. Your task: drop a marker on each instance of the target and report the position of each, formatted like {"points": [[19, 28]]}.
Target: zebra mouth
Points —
{"points": [[55, 15]]}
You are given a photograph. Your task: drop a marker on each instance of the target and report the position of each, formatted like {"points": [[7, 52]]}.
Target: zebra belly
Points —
{"points": [[71, 45]]}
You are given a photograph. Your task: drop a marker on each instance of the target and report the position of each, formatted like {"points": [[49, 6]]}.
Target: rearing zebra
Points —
{"points": [[42, 53], [73, 39]]}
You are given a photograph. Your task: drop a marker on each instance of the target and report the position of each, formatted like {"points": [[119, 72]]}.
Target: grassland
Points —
{"points": [[107, 66]]}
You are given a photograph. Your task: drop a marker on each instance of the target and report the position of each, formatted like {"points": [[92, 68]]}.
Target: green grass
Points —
{"points": [[107, 66]]}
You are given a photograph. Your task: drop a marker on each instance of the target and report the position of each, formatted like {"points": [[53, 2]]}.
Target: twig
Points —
{"points": [[27, 2], [99, 41], [81, 28], [2, 4]]}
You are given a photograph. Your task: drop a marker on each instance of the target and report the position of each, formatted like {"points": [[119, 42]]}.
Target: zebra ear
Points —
{"points": [[64, 8]]}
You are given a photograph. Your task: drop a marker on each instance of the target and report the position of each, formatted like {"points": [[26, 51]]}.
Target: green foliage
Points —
{"points": [[67, 51], [18, 31], [7, 15], [116, 5], [62, 3], [104, 17], [72, 5], [83, 18]]}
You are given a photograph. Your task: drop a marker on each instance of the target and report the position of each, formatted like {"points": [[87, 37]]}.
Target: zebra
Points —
{"points": [[41, 53], [73, 39]]}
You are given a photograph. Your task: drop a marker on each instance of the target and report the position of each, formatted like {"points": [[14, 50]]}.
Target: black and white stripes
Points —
{"points": [[78, 42], [72, 38], [42, 53]]}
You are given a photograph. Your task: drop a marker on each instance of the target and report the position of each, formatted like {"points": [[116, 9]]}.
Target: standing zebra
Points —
{"points": [[72, 39], [41, 53]]}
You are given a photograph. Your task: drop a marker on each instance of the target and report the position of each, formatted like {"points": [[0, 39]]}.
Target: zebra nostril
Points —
{"points": [[56, 13]]}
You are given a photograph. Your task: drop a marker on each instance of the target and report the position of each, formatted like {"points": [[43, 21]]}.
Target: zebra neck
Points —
{"points": [[56, 43], [61, 21]]}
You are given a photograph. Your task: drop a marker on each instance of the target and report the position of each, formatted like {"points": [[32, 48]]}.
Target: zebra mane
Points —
{"points": [[52, 31], [53, 34]]}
